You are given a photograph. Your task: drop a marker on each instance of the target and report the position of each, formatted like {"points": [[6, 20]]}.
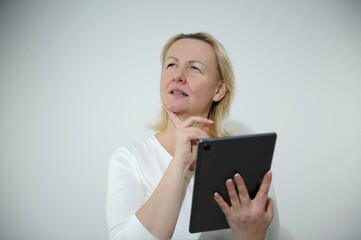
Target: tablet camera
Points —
{"points": [[206, 146]]}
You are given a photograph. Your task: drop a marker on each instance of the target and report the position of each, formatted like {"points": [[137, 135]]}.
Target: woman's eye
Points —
{"points": [[195, 68], [170, 65]]}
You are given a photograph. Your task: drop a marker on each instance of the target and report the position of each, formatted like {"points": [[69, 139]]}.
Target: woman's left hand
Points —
{"points": [[248, 219]]}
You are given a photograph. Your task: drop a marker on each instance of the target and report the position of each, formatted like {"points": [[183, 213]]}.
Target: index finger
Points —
{"points": [[197, 121]]}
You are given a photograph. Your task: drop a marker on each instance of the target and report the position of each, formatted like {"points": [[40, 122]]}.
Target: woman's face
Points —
{"points": [[190, 80]]}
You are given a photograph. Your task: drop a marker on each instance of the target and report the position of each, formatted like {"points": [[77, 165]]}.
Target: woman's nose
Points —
{"points": [[179, 76]]}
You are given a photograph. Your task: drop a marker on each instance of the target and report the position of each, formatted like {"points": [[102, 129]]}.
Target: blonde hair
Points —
{"points": [[219, 111]]}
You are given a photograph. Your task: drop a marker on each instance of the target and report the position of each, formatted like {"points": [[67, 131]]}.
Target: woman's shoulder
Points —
{"points": [[135, 150]]}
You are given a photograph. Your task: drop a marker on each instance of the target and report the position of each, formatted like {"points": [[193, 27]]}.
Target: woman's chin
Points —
{"points": [[176, 108]]}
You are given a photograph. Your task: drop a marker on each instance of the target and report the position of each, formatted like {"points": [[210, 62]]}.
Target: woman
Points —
{"points": [[151, 183]]}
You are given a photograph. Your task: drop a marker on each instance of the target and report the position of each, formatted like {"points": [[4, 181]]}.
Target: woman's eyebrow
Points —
{"points": [[191, 61], [171, 57], [197, 61]]}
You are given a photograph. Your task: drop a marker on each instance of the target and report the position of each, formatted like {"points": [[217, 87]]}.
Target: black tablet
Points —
{"points": [[218, 159]]}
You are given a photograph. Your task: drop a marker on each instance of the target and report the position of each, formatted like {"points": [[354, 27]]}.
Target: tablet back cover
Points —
{"points": [[218, 159]]}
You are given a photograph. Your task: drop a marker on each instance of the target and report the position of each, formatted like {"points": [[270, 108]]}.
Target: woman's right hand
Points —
{"points": [[187, 133]]}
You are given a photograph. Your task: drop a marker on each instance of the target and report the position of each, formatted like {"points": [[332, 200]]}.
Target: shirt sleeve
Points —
{"points": [[124, 197]]}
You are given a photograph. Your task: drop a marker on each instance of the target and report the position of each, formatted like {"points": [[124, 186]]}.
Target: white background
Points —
{"points": [[80, 78]]}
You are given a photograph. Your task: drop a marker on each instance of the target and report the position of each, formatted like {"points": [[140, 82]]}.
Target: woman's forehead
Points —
{"points": [[192, 48]]}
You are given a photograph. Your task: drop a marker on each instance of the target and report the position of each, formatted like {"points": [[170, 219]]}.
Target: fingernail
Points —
{"points": [[237, 175]]}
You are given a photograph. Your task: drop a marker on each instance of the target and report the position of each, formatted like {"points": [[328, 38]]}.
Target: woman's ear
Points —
{"points": [[221, 92]]}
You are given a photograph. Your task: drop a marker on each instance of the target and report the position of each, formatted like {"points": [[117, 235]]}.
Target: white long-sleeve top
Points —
{"points": [[134, 173]]}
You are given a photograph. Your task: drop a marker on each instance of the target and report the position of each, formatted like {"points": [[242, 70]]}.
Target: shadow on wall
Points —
{"points": [[237, 128]]}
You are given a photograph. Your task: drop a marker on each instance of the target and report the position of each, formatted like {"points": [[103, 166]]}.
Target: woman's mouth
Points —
{"points": [[179, 93]]}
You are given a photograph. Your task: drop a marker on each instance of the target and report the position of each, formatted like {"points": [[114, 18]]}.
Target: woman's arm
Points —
{"points": [[165, 202], [125, 195], [159, 213]]}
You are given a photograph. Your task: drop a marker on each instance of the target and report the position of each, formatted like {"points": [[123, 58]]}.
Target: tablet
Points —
{"points": [[218, 159]]}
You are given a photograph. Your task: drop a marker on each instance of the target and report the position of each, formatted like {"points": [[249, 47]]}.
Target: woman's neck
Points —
{"points": [[166, 138]]}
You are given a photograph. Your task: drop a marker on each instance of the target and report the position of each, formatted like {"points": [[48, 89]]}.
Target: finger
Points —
{"points": [[262, 194], [191, 135], [194, 152], [269, 208], [242, 189], [202, 125], [194, 133], [206, 128], [232, 193], [196, 121], [222, 204], [173, 117]]}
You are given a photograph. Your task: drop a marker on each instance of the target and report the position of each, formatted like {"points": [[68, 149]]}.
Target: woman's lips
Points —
{"points": [[178, 92]]}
